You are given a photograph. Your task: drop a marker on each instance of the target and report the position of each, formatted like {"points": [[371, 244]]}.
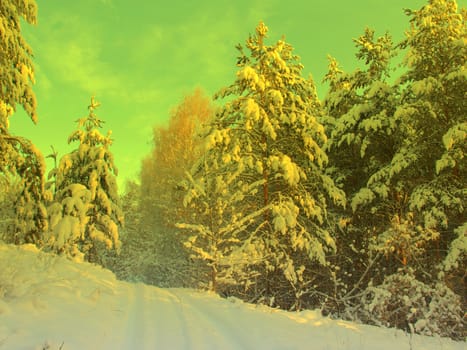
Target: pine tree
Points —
{"points": [[364, 137], [398, 151], [86, 213], [359, 108], [404, 137], [263, 171], [18, 156], [218, 226], [434, 103]]}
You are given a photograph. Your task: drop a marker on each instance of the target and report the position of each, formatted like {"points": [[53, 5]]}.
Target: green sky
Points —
{"points": [[140, 57]]}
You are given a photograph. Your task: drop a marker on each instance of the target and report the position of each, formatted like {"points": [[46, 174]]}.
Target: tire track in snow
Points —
{"points": [[155, 320], [172, 329], [206, 318], [135, 324]]}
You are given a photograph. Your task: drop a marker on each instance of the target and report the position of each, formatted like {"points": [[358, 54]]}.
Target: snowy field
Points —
{"points": [[48, 302]]}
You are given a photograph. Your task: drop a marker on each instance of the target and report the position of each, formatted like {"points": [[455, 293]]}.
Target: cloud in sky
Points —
{"points": [[140, 62], [204, 43], [141, 57], [71, 52]]}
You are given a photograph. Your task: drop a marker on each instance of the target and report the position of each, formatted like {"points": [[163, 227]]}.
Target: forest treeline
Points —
{"points": [[354, 204]]}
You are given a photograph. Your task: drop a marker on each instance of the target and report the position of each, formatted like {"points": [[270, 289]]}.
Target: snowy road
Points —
{"points": [[164, 318], [177, 319], [47, 302], [154, 319]]}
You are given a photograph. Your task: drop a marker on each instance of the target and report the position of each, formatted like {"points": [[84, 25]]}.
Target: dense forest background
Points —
{"points": [[353, 204]]}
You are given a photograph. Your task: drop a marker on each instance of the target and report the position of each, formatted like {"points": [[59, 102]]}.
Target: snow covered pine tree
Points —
{"points": [[408, 189], [260, 187], [86, 213]]}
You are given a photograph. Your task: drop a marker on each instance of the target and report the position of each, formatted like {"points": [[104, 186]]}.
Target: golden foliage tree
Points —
{"points": [[175, 149], [174, 152]]}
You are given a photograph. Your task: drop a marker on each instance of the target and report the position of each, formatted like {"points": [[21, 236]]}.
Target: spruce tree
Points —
{"points": [[86, 213], [17, 71], [262, 174], [18, 156]]}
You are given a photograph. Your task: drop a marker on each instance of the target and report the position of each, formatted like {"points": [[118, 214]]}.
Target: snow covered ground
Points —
{"points": [[48, 302]]}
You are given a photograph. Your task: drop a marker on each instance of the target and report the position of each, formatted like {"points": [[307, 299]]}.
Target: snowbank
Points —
{"points": [[48, 302]]}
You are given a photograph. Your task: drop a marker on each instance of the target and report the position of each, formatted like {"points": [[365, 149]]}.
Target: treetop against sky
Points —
{"points": [[140, 58]]}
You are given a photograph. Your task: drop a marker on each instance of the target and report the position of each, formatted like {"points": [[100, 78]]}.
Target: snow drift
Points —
{"points": [[49, 302]]}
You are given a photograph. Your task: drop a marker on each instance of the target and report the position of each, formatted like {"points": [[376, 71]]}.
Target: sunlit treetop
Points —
{"points": [[436, 38], [16, 67]]}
